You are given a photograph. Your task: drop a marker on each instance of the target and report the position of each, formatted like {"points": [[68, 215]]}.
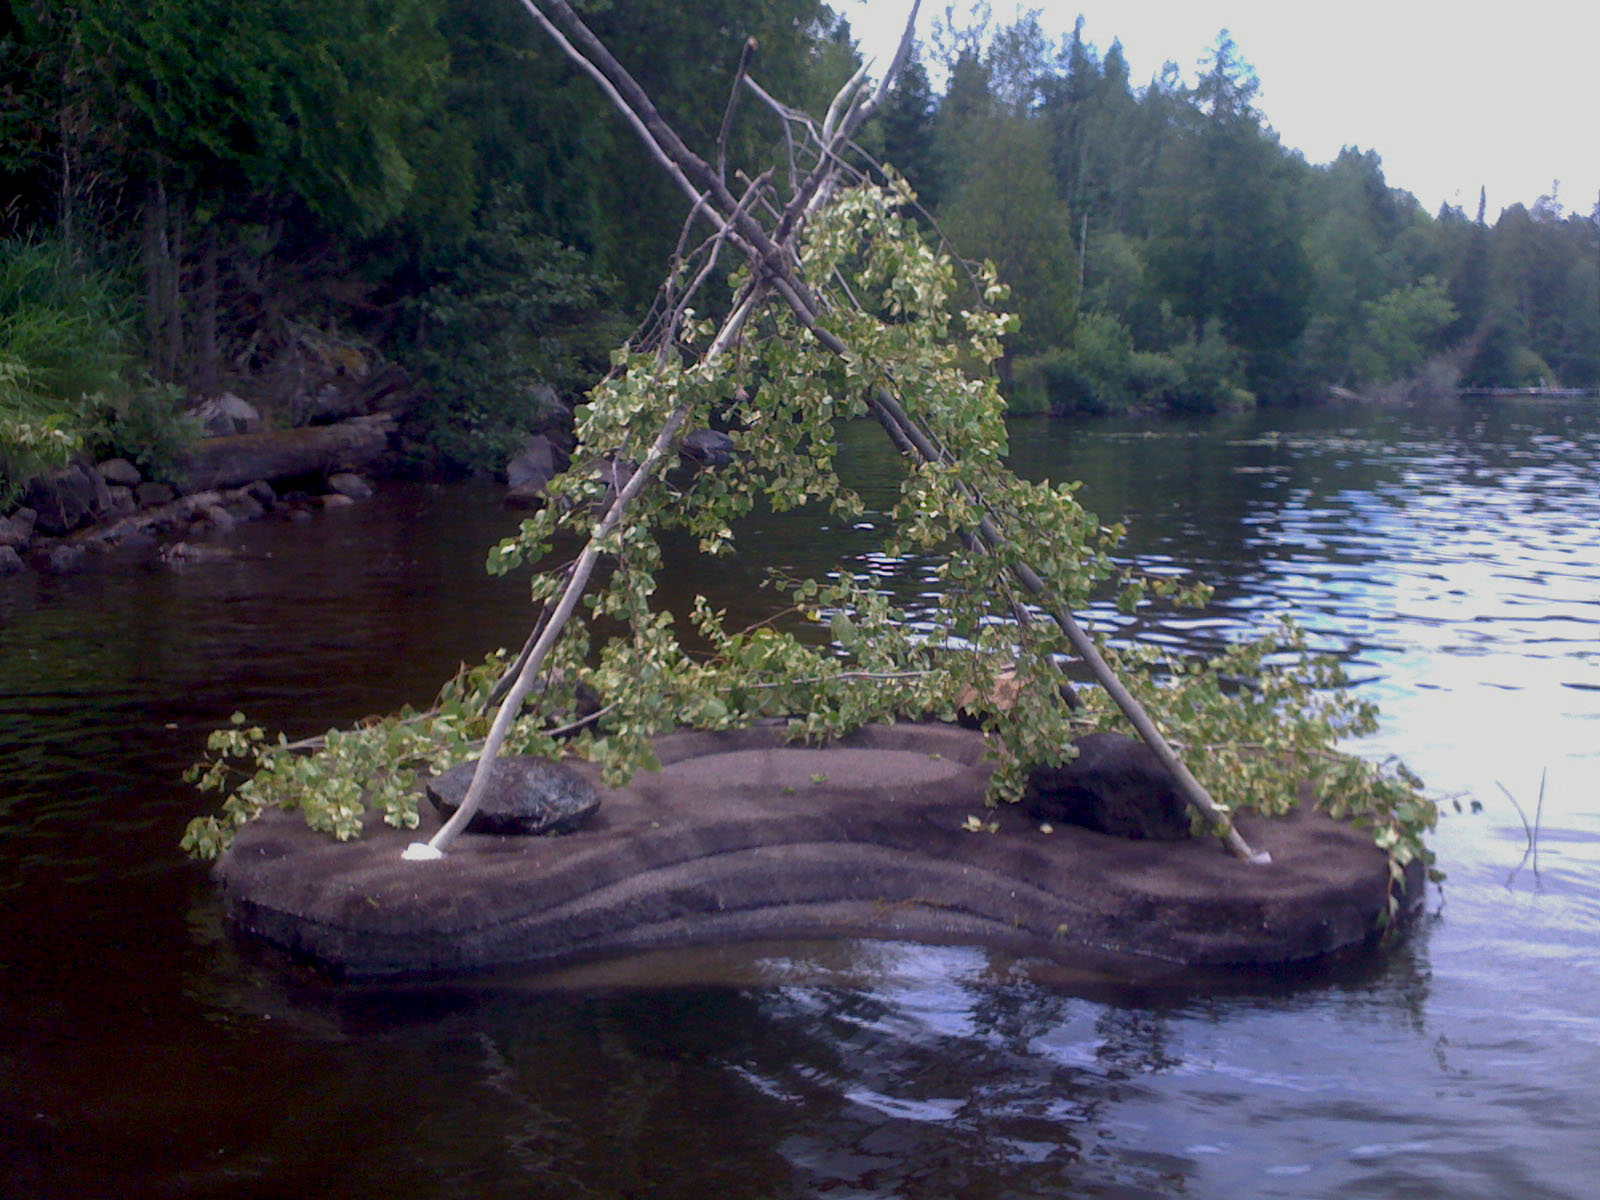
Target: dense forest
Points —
{"points": [[422, 196]]}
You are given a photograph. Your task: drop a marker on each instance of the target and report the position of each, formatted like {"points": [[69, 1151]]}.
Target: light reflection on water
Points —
{"points": [[1454, 558]]}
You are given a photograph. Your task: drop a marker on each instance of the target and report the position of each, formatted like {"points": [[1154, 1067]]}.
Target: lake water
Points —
{"points": [[1452, 556]]}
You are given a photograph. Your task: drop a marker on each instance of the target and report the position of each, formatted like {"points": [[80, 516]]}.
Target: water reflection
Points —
{"points": [[865, 1069]]}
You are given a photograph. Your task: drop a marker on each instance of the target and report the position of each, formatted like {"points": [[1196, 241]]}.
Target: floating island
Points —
{"points": [[743, 836]]}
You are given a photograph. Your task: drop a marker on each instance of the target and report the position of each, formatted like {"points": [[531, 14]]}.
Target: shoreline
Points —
{"points": [[85, 511]]}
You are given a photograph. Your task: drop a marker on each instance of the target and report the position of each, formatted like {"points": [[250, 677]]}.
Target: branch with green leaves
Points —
{"points": [[839, 309]]}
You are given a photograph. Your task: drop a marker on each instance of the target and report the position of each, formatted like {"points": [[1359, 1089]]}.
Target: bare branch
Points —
{"points": [[843, 102], [641, 125], [751, 194], [901, 53], [693, 172], [745, 56], [837, 133]]}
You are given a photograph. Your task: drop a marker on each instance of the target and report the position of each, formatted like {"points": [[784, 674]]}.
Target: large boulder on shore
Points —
{"points": [[65, 499], [148, 495], [1115, 786], [530, 470], [122, 500], [225, 416], [119, 472], [524, 796], [17, 529]]}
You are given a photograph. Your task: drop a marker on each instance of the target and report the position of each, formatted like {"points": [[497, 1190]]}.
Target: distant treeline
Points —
{"points": [[190, 186], [1165, 248]]}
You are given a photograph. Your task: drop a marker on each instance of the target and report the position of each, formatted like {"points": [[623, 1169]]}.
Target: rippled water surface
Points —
{"points": [[1452, 557]]}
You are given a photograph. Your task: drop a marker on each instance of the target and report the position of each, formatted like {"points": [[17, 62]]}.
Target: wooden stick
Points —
{"points": [[665, 444], [904, 432]]}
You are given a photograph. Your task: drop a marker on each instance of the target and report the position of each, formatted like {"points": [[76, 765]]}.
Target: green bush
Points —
{"points": [[67, 324], [1090, 378], [1027, 395], [146, 425], [1102, 353], [1154, 378], [1530, 370], [1102, 373], [31, 442], [1402, 328], [1212, 374]]}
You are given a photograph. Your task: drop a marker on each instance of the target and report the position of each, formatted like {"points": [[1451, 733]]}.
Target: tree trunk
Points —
{"points": [[278, 454], [174, 288], [163, 267], [205, 324], [154, 255]]}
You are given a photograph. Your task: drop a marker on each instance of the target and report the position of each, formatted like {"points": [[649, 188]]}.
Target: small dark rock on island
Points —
{"points": [[1115, 786], [525, 796], [707, 448]]}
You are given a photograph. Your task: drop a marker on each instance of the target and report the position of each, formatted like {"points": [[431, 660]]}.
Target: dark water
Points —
{"points": [[1454, 558]]}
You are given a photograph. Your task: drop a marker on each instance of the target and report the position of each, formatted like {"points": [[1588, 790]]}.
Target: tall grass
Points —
{"points": [[63, 345]]}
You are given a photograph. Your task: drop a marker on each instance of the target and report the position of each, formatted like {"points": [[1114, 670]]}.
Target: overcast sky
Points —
{"points": [[1451, 96]]}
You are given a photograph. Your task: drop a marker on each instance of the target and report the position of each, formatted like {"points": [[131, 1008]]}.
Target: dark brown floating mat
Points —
{"points": [[742, 837]]}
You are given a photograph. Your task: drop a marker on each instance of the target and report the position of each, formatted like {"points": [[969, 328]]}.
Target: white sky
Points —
{"points": [[1451, 96]]}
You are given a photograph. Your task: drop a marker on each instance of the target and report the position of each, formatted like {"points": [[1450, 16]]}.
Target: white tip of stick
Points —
{"points": [[421, 852], [1261, 858]]}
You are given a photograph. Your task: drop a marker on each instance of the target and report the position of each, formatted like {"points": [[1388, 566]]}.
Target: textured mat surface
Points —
{"points": [[741, 837]]}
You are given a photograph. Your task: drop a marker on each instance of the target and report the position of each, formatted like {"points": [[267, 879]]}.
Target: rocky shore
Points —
{"points": [[71, 516]]}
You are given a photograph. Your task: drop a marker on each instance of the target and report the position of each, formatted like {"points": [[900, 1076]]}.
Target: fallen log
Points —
{"points": [[242, 458]]}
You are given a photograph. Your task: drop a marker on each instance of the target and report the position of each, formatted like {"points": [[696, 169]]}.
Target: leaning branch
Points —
{"points": [[646, 123], [745, 56], [905, 432], [661, 448]]}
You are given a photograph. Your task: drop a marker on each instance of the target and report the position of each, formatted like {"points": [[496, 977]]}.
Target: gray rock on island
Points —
{"points": [[530, 471], [707, 448], [524, 796]]}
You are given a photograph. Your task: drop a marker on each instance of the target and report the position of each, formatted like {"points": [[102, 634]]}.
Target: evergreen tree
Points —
{"points": [[1005, 207], [1364, 240], [1065, 111], [1227, 232], [905, 129], [1002, 201]]}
